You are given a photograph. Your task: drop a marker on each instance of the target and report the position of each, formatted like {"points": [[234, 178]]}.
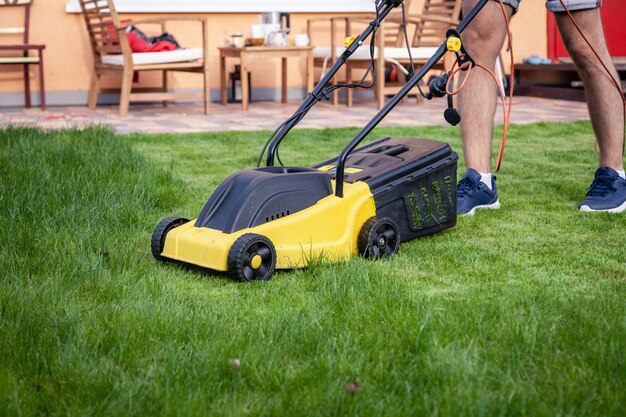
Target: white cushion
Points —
{"points": [[165, 57], [363, 53], [418, 53]]}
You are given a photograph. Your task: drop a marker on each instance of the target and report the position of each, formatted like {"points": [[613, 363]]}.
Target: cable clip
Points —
{"points": [[322, 95], [455, 44], [349, 41]]}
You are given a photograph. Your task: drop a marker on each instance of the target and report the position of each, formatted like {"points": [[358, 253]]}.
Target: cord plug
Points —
{"points": [[437, 87]]}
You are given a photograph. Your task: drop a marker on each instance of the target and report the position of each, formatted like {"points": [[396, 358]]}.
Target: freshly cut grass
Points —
{"points": [[519, 311]]}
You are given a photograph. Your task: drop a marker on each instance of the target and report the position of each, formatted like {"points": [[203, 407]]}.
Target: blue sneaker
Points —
{"points": [[607, 192], [473, 195]]}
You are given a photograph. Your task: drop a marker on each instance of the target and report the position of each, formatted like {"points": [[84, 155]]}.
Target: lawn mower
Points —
{"points": [[366, 201]]}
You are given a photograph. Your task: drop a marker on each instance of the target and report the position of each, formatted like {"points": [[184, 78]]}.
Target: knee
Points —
{"points": [[482, 43], [585, 59]]}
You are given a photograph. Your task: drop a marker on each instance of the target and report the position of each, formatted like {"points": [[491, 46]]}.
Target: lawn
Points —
{"points": [[515, 312]]}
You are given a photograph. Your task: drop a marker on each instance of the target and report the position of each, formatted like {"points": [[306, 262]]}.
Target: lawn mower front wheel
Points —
{"points": [[252, 257], [161, 231], [379, 237]]}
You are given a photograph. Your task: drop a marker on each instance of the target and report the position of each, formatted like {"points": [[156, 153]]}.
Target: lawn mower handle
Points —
{"points": [[416, 78], [318, 92]]}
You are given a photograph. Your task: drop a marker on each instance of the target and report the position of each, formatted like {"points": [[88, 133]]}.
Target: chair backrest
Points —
{"points": [[20, 29], [431, 33], [394, 34], [102, 23]]}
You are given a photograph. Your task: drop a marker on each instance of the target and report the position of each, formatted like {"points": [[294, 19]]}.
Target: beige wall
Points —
{"points": [[68, 57]]}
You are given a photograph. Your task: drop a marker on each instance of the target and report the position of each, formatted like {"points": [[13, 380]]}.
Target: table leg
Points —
{"points": [[223, 80], [284, 77], [244, 81], [309, 72], [42, 88], [26, 86]]}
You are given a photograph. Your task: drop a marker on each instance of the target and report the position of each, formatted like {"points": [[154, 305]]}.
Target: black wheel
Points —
{"points": [[162, 229], [379, 237], [252, 257]]}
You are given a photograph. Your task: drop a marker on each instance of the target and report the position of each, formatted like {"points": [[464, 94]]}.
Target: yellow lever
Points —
{"points": [[453, 44], [349, 41]]}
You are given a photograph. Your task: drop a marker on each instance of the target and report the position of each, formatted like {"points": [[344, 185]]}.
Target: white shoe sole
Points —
{"points": [[492, 206], [587, 209]]}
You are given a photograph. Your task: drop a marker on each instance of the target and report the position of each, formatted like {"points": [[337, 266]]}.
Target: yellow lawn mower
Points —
{"points": [[366, 201]]}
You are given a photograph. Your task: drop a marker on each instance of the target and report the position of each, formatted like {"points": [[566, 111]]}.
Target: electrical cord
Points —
{"points": [[325, 94], [606, 68], [505, 128], [273, 135], [616, 82], [371, 68], [507, 110], [408, 49]]}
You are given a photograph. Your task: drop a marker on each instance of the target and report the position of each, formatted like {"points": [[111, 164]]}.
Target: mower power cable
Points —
{"points": [[371, 68], [325, 93]]}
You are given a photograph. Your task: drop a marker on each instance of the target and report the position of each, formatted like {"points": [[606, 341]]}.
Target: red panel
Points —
{"points": [[614, 23]]}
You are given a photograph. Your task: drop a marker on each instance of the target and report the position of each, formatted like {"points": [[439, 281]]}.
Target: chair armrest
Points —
{"points": [[21, 47], [161, 20]]}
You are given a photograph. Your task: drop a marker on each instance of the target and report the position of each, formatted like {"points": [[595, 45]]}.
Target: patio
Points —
{"points": [[185, 118]]}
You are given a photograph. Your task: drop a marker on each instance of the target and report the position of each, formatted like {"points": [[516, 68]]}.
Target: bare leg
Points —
{"points": [[604, 101], [483, 40]]}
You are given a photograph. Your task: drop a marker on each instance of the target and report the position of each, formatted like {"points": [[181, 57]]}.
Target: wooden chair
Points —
{"points": [[426, 31], [112, 53], [23, 49]]}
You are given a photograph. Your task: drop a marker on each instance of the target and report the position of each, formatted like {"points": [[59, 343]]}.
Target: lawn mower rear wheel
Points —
{"points": [[379, 237]]}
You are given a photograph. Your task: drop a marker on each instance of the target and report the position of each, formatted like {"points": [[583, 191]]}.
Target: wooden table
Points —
{"points": [[247, 53]]}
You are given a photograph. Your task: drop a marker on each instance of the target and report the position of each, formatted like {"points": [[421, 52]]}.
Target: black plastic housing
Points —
{"points": [[252, 197], [413, 181]]}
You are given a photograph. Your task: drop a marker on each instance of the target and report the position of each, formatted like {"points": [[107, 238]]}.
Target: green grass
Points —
{"points": [[515, 312]]}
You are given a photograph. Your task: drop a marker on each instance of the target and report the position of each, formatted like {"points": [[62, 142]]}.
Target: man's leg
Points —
{"points": [[603, 99], [483, 40], [608, 190]]}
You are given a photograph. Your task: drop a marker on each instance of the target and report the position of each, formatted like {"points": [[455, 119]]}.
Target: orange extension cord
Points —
{"points": [[507, 109], [615, 81]]}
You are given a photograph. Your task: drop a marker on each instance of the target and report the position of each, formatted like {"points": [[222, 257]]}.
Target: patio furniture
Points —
{"points": [[246, 54], [23, 49], [556, 81], [425, 32], [112, 54]]}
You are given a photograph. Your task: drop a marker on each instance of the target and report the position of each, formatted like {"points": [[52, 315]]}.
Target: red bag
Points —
{"points": [[140, 42]]}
